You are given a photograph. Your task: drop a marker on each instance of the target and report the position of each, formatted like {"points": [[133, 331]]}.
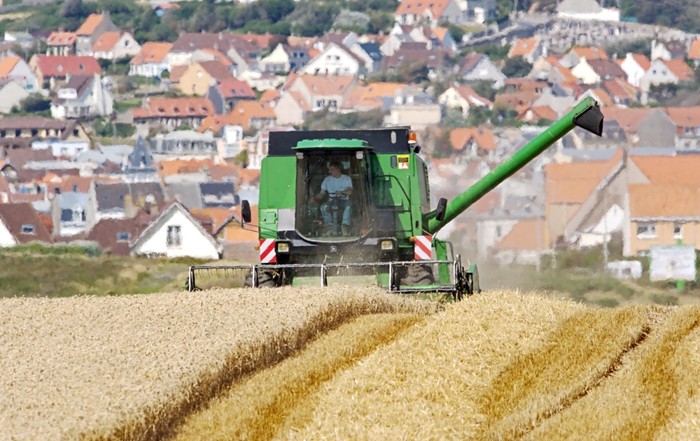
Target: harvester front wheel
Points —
{"points": [[418, 275]]}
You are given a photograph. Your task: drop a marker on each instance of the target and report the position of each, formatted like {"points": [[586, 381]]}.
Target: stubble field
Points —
{"points": [[345, 364]]}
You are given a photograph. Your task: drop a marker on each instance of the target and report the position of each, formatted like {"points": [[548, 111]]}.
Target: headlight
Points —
{"points": [[282, 247], [386, 245]]}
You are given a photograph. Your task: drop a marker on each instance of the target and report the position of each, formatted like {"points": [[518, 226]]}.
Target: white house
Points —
{"points": [[115, 45], [176, 233], [584, 72], [151, 60], [666, 72], [635, 66], [16, 69], [586, 10], [82, 96], [463, 97], [611, 222], [334, 60], [11, 95]]}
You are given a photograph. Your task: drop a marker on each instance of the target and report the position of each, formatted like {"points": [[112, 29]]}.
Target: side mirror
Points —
{"points": [[440, 210], [245, 211]]}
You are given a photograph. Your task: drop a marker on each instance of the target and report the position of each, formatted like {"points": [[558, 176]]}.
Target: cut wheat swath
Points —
{"points": [[132, 367], [426, 384]]}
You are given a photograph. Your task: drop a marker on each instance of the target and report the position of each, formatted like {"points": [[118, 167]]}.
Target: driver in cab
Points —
{"points": [[335, 185]]}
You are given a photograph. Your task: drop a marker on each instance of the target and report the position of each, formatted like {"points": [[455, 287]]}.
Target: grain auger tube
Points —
{"points": [[353, 206]]}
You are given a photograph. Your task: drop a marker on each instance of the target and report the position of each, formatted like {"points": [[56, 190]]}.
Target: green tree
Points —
{"points": [[637, 46], [35, 102], [478, 116], [276, 10], [516, 67], [74, 9]]}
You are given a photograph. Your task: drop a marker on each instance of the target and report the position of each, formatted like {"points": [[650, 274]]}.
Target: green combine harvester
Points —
{"points": [[353, 207]]}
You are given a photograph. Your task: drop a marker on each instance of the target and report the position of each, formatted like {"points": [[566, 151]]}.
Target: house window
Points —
{"points": [[123, 236], [28, 229], [677, 231], [646, 230], [174, 238]]}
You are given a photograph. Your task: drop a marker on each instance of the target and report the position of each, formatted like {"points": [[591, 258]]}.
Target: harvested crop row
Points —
{"points": [[582, 352], [652, 396], [130, 367], [274, 399], [426, 384]]}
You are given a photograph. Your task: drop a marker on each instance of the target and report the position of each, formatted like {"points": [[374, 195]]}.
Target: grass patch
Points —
{"points": [[121, 106], [62, 271]]}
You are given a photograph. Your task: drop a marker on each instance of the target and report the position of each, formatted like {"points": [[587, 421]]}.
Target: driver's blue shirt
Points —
{"points": [[331, 185]]}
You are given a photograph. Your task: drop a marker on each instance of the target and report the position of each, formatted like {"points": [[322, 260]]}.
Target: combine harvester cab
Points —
{"points": [[353, 206]]}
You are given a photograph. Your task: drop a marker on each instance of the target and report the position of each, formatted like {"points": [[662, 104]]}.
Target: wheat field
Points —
{"points": [[343, 363]]}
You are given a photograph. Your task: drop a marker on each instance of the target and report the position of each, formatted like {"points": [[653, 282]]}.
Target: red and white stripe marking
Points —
{"points": [[422, 249], [267, 251]]}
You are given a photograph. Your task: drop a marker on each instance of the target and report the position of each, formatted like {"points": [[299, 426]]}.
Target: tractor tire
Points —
{"points": [[266, 279], [418, 275]]}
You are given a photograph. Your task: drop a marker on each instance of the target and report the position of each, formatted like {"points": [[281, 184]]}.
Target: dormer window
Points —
{"points": [[123, 236], [28, 229]]}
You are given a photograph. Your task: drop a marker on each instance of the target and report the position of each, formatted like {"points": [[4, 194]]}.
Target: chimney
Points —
{"points": [[129, 207]]}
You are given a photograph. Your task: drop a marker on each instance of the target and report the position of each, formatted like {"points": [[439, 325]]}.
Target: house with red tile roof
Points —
{"points": [[152, 59], [549, 69], [694, 52], [573, 57], [226, 93], [621, 92], [600, 95], [61, 43], [523, 245], [686, 119], [579, 194], [114, 235], [253, 115], [529, 49], [14, 68], [372, 96], [310, 93], [91, 30], [663, 215], [21, 224], [19, 132], [115, 45], [172, 113], [199, 76], [413, 12], [536, 114], [53, 70], [238, 238], [645, 127], [672, 71], [471, 142]]}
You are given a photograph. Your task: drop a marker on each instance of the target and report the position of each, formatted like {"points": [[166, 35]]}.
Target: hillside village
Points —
{"points": [[154, 159]]}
